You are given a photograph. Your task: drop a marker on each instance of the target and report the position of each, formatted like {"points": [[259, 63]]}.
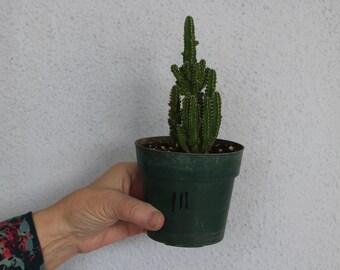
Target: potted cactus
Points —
{"points": [[189, 175]]}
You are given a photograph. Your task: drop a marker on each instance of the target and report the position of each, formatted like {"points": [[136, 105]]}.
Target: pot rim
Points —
{"points": [[139, 145]]}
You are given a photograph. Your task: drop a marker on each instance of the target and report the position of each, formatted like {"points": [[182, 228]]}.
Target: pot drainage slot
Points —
{"points": [[183, 201]]}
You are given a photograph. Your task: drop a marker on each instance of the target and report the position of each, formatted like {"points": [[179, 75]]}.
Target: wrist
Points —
{"points": [[56, 244]]}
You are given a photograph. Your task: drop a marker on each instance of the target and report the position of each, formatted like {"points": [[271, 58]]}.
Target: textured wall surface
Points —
{"points": [[81, 80]]}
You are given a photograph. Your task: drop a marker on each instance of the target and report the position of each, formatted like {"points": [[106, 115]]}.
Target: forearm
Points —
{"points": [[56, 245]]}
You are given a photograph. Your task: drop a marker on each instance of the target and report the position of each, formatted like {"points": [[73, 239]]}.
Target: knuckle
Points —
{"points": [[132, 209]]}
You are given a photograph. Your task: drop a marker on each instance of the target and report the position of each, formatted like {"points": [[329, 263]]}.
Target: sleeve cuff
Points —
{"points": [[19, 244]]}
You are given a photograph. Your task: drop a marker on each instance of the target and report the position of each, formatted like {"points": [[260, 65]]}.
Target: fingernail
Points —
{"points": [[154, 220]]}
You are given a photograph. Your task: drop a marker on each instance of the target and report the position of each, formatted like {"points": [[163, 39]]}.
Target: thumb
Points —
{"points": [[137, 212]]}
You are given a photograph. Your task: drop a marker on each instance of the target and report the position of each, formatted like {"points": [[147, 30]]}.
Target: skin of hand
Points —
{"points": [[108, 210]]}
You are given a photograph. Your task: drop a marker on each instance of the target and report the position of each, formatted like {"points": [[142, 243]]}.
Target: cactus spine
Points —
{"points": [[195, 105]]}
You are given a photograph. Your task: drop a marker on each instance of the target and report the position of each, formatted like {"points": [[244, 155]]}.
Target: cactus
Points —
{"points": [[195, 105]]}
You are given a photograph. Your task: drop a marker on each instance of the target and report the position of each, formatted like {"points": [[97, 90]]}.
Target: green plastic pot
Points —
{"points": [[193, 191]]}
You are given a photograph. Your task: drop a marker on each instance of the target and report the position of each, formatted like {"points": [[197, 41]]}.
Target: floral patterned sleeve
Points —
{"points": [[19, 244]]}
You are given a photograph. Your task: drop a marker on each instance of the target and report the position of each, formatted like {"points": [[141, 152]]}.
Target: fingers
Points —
{"points": [[119, 177], [120, 231], [137, 212]]}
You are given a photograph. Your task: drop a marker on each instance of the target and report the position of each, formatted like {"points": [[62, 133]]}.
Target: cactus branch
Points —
{"points": [[189, 54], [216, 115], [185, 113], [182, 140], [211, 82], [177, 73], [206, 124], [174, 112], [193, 123]]}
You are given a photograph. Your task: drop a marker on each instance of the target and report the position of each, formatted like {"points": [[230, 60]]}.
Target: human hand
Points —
{"points": [[108, 210]]}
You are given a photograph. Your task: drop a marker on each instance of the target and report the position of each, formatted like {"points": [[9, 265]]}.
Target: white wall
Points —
{"points": [[81, 80]]}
